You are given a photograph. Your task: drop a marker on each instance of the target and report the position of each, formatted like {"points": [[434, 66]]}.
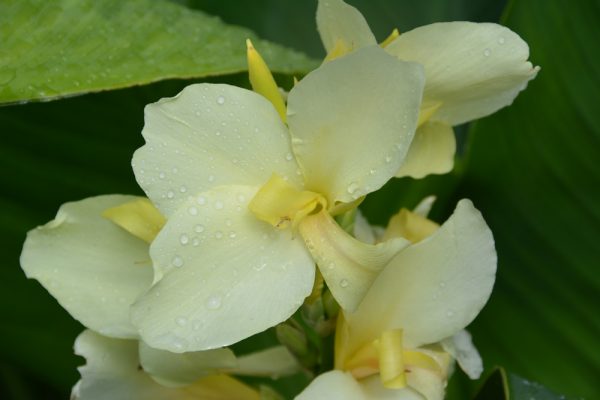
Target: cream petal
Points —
{"points": [[363, 230], [333, 385], [375, 390], [461, 347], [113, 372], [427, 383], [352, 121], [340, 24], [182, 369], [431, 151], [473, 69], [94, 268], [432, 289], [226, 275], [424, 206], [348, 266], [210, 135], [273, 362]]}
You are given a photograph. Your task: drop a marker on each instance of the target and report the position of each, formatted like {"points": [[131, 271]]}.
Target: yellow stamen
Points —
{"points": [[391, 363], [281, 204], [262, 80], [395, 33], [138, 217]]}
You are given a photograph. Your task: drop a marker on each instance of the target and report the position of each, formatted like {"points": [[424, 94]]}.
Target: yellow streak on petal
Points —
{"points": [[281, 204], [395, 33], [262, 80], [138, 217], [317, 288], [341, 48], [418, 359], [409, 225], [221, 387], [427, 111], [365, 362], [391, 362]]}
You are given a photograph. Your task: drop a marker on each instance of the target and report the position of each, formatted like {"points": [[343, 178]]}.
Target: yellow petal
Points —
{"points": [[410, 226], [431, 151], [138, 217], [395, 33], [391, 361], [262, 80]]}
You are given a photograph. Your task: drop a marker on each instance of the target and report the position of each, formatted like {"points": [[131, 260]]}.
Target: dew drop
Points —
{"points": [[218, 234], [442, 284], [211, 178], [219, 205], [501, 40], [195, 242], [184, 239], [487, 52], [177, 261], [170, 194], [388, 159], [213, 302], [199, 228], [241, 198], [193, 210], [352, 187], [183, 189], [161, 175], [175, 170], [450, 313], [289, 156], [232, 235], [220, 100], [372, 172], [201, 200], [181, 321], [344, 283]]}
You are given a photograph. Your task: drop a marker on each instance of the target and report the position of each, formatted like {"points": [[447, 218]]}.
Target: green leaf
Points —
{"points": [[533, 172], [501, 385], [60, 48]]}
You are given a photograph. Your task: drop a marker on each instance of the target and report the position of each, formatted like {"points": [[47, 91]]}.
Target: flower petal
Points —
{"points": [[210, 135], [473, 69], [348, 266], [431, 289], [341, 25], [222, 270], [182, 369], [461, 347], [94, 268], [427, 383], [352, 121], [112, 372], [431, 151], [273, 362], [333, 385]]}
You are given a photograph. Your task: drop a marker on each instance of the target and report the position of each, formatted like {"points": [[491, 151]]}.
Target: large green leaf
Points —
{"points": [[533, 171], [64, 47]]}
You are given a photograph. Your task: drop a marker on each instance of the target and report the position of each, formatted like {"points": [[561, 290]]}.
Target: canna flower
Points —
{"points": [[96, 270], [471, 70], [250, 186], [116, 369], [400, 342]]}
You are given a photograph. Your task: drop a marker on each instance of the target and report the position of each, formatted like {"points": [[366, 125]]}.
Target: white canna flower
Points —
{"points": [[471, 70], [243, 192], [400, 341], [96, 270]]}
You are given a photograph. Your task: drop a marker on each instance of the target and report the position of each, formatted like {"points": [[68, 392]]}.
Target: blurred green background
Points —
{"points": [[532, 169]]}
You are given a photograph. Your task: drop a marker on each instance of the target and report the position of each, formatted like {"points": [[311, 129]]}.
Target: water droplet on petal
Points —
{"points": [[501, 40], [487, 52], [344, 283], [193, 210], [201, 200], [199, 228], [184, 239], [170, 194], [177, 261], [289, 156], [220, 100], [388, 159], [183, 189], [219, 205], [181, 321], [218, 234], [352, 187], [232, 235], [211, 178], [213, 302], [450, 313]]}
